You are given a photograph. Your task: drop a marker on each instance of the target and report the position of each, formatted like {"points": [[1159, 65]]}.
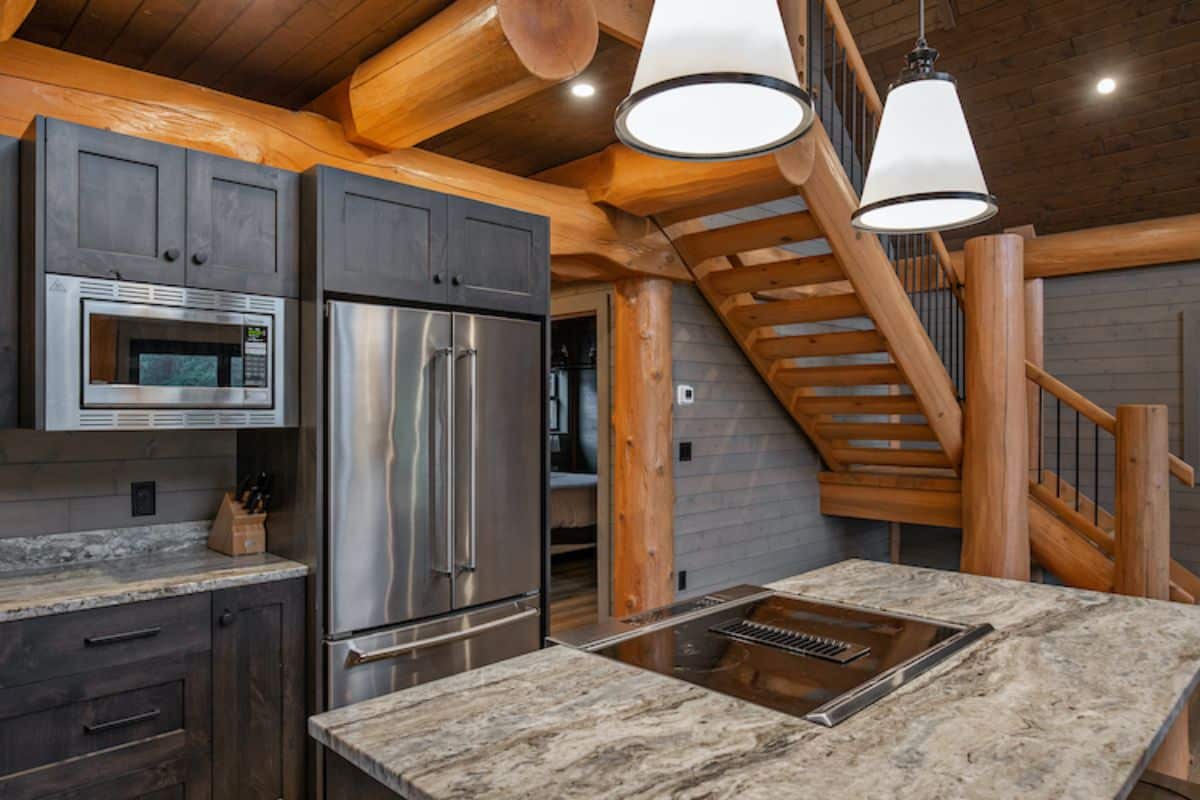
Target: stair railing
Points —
{"points": [[849, 107]]}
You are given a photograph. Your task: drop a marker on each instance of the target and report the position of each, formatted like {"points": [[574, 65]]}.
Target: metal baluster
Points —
{"points": [[1078, 485], [1041, 429], [843, 129], [1057, 446], [1096, 477]]}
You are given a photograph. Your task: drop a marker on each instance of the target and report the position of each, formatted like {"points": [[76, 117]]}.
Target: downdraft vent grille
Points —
{"points": [[805, 644]]}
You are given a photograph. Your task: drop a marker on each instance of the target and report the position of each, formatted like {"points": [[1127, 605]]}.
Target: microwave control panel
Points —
{"points": [[255, 350]]}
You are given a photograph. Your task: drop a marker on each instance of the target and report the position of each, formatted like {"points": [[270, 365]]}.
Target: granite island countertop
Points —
{"points": [[1067, 699], [45, 590]]}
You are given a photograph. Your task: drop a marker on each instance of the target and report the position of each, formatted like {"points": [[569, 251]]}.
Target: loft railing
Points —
{"points": [[849, 107]]}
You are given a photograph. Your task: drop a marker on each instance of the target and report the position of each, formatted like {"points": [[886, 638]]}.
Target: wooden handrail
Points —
{"points": [[1106, 421]]}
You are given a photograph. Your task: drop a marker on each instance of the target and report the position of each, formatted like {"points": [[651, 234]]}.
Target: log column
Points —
{"points": [[643, 480], [1142, 546], [996, 425]]}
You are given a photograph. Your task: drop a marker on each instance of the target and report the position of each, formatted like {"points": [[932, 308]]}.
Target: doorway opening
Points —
{"points": [[580, 574]]}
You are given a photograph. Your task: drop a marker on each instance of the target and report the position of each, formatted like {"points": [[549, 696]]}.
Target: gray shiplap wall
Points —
{"points": [[1118, 337], [747, 506], [58, 482]]}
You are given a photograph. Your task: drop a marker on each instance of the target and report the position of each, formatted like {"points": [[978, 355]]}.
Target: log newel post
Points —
{"points": [[643, 480], [1142, 541], [996, 426], [1035, 353]]}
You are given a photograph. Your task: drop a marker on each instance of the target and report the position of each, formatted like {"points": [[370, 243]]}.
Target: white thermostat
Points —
{"points": [[685, 395]]}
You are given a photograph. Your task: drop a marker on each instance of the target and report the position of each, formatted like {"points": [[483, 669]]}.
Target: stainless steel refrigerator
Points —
{"points": [[435, 495]]}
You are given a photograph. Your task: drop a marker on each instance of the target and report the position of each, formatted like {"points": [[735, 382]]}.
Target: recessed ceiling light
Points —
{"points": [[583, 89], [1106, 86]]}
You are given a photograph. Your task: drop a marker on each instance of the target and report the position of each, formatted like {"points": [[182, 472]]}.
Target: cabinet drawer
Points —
{"points": [[65, 644], [97, 723]]}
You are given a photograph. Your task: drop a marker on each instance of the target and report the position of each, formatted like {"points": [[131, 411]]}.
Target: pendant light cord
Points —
{"points": [[921, 22]]}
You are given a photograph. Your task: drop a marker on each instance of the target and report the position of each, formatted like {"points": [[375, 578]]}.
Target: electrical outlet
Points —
{"points": [[682, 579], [142, 497], [685, 451]]}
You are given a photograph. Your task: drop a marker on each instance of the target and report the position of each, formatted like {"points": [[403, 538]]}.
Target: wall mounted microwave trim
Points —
{"points": [[74, 403]]}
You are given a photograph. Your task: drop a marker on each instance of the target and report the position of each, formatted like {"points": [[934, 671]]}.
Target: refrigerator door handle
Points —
{"points": [[356, 657], [472, 541], [448, 354]]}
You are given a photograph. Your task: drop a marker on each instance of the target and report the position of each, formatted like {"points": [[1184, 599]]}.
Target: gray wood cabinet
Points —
{"points": [[498, 258], [10, 323], [131, 209], [381, 238], [114, 205], [243, 230], [192, 697]]}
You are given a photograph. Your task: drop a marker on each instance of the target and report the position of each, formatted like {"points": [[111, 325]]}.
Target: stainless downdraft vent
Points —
{"points": [[803, 644]]}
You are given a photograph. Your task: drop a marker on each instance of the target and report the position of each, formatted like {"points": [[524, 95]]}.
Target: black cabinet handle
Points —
{"points": [[200, 258], [437, 277], [456, 280], [117, 638], [122, 722], [172, 254], [227, 618]]}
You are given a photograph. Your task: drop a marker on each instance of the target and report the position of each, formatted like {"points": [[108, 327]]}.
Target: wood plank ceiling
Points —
{"points": [[1059, 155]]}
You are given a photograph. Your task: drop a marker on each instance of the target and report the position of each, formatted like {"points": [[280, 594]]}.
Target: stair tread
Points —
{"points": [[925, 478], [792, 312], [842, 375], [809, 271], [875, 431], [758, 234], [821, 344], [860, 405], [891, 456]]}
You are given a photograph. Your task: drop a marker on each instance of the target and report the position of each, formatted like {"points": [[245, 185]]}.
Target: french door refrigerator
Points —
{"points": [[434, 495]]}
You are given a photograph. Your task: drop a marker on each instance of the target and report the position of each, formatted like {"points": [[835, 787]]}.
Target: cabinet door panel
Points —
{"points": [[9, 288], [498, 259], [258, 691], [114, 205], [243, 226], [382, 239]]}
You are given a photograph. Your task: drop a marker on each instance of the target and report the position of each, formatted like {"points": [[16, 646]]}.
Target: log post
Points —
{"points": [[643, 480], [1142, 546], [1035, 353], [996, 426], [475, 57]]}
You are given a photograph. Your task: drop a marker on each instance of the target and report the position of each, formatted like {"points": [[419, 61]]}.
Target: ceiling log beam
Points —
{"points": [[1136, 244], [39, 80], [12, 15], [626, 20], [475, 57]]}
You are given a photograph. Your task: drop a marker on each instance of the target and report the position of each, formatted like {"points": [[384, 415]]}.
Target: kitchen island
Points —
{"points": [[1069, 698]]}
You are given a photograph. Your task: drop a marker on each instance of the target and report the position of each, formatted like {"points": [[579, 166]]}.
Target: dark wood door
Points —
{"points": [[498, 258], [114, 205], [259, 738], [381, 238], [9, 308], [243, 231]]}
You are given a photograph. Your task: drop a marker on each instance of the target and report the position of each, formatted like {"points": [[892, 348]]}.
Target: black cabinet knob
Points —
{"points": [[437, 277], [226, 619], [172, 254], [200, 257], [456, 280]]}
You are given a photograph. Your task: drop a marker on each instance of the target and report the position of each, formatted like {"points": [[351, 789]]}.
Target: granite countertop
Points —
{"points": [[1066, 699], [40, 591]]}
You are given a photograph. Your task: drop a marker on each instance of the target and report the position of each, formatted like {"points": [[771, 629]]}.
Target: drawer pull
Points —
{"points": [[117, 638], [122, 722]]}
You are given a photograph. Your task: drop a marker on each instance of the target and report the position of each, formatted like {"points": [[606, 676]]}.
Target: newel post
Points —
{"points": [[996, 420], [1142, 546], [643, 480]]}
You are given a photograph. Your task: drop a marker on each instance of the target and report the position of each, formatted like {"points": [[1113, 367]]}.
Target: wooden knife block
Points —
{"points": [[236, 532]]}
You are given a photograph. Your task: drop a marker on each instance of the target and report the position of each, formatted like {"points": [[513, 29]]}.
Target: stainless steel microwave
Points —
{"points": [[121, 355]]}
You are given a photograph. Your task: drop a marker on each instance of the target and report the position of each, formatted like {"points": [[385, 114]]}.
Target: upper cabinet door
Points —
{"points": [[114, 205], [243, 226], [381, 238], [499, 259]]}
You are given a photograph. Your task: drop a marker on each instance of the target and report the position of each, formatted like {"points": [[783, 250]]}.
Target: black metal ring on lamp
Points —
{"points": [[629, 103], [989, 212]]}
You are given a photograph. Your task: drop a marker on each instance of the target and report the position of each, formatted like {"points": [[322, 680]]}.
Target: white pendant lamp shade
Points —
{"points": [[715, 82]]}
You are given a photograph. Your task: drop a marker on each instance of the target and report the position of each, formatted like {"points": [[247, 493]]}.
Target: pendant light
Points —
{"points": [[715, 82], [924, 173]]}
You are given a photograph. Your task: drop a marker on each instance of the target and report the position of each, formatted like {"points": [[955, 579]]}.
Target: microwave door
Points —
{"points": [[388, 421], [498, 458]]}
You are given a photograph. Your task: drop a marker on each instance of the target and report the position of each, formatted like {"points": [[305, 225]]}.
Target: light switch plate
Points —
{"points": [[685, 395]]}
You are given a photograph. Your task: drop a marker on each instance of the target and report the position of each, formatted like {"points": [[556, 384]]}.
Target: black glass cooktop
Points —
{"points": [[810, 659]]}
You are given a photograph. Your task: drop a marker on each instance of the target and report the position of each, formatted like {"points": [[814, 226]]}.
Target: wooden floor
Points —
{"points": [[573, 592]]}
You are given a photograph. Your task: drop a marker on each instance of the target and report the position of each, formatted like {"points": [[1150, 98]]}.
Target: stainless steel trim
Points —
{"points": [[357, 657], [473, 536], [73, 404], [885, 683]]}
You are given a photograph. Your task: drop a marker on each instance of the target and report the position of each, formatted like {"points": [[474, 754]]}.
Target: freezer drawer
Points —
{"points": [[369, 666]]}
